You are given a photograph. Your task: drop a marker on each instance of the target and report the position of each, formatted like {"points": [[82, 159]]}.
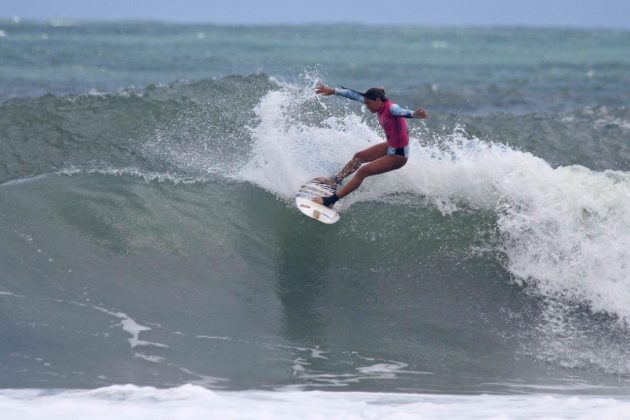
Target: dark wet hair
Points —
{"points": [[375, 93]]}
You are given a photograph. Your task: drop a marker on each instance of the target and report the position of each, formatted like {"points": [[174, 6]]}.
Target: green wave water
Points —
{"points": [[148, 234]]}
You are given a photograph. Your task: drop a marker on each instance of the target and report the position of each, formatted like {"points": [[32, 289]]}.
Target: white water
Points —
{"points": [[191, 402], [565, 230]]}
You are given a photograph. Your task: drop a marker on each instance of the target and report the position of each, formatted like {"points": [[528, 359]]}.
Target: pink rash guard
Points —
{"points": [[392, 117], [395, 128]]}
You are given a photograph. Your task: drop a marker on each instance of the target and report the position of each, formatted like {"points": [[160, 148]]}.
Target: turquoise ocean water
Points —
{"points": [[148, 235]]}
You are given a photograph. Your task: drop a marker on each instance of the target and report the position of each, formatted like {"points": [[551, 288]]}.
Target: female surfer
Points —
{"points": [[383, 157]]}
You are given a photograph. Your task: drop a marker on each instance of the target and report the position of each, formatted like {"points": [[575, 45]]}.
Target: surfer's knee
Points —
{"points": [[359, 157], [363, 172]]}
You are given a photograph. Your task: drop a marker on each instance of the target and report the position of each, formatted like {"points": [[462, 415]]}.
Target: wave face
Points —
{"points": [[148, 236]]}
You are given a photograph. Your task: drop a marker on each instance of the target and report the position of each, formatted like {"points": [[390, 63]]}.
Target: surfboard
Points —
{"points": [[316, 188]]}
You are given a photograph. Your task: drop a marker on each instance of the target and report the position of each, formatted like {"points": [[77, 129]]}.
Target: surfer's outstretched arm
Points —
{"points": [[346, 93], [398, 111], [395, 109]]}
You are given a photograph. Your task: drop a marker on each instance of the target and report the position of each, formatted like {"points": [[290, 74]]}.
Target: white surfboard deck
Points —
{"points": [[316, 188]]}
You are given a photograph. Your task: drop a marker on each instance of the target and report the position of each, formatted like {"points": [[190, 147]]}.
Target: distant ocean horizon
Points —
{"points": [[152, 258]]}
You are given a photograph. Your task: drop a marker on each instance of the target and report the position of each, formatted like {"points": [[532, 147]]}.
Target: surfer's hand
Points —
{"points": [[324, 90], [420, 113]]}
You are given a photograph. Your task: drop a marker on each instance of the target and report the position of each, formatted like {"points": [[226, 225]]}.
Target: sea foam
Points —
{"points": [[193, 402]]}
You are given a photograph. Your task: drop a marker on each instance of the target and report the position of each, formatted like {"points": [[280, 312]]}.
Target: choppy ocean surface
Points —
{"points": [[152, 262]]}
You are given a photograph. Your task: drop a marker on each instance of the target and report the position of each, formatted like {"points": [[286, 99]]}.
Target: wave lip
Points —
{"points": [[565, 230]]}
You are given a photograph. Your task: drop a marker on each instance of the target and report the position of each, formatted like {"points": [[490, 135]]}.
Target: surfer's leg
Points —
{"points": [[367, 155], [378, 166], [379, 162]]}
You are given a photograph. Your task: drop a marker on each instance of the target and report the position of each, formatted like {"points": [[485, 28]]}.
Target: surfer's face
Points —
{"points": [[373, 105]]}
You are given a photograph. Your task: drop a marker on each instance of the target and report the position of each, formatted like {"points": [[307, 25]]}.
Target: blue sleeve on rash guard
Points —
{"points": [[350, 94], [399, 111]]}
